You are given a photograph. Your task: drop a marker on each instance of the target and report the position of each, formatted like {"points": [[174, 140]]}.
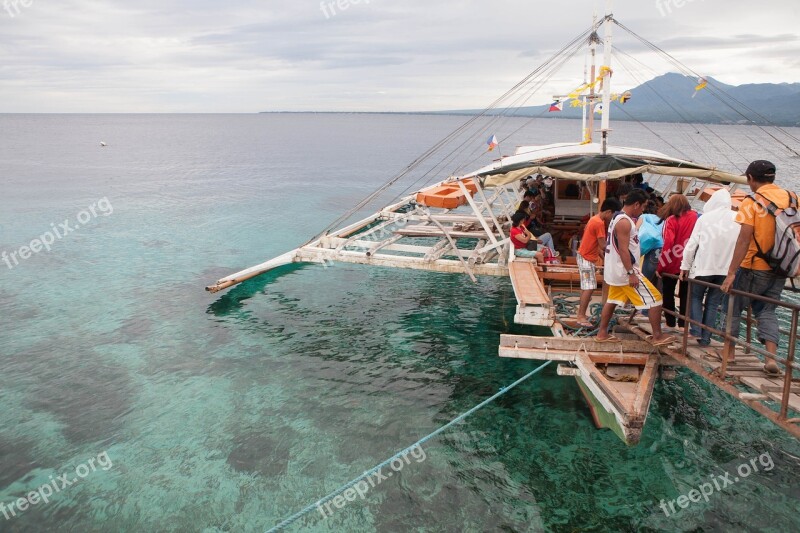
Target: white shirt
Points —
{"points": [[710, 247], [614, 272]]}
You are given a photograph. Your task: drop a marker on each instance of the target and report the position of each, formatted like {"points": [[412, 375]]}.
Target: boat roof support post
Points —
{"points": [[488, 206], [478, 211]]}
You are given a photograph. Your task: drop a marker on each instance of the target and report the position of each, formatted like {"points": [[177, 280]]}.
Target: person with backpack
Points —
{"points": [[767, 252]]}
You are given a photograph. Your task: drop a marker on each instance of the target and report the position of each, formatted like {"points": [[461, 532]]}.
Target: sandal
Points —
{"points": [[663, 342], [610, 338], [584, 324]]}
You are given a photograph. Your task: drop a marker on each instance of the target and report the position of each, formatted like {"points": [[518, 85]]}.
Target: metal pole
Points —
{"points": [[749, 327], [688, 314], [728, 347], [787, 381]]}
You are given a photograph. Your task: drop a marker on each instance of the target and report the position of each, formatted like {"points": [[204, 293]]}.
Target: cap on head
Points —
{"points": [[761, 170]]}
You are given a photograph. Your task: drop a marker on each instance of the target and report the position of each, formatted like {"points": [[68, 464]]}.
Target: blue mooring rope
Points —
{"points": [[289, 521]]}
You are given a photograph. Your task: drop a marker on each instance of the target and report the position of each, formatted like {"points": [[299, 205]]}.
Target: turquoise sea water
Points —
{"points": [[230, 412]]}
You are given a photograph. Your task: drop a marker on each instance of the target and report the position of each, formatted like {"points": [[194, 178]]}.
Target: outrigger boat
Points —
{"points": [[460, 225]]}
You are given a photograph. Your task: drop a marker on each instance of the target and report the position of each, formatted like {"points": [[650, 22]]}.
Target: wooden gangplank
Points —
{"points": [[746, 379], [528, 288]]}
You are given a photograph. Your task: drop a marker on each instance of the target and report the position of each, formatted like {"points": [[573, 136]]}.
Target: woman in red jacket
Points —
{"points": [[680, 219]]}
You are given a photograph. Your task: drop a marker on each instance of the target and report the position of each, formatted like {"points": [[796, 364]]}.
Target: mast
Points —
{"points": [[594, 40], [607, 80]]}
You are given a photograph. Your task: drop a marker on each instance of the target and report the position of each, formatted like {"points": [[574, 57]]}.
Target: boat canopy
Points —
{"points": [[585, 162]]}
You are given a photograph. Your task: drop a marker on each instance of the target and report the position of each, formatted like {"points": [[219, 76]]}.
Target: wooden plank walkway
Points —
{"points": [[746, 372]]}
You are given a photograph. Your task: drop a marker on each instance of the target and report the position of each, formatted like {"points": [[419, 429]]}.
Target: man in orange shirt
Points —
{"points": [[591, 253], [748, 272]]}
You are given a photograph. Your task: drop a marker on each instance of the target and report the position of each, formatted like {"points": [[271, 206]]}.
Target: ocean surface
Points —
{"points": [[170, 409]]}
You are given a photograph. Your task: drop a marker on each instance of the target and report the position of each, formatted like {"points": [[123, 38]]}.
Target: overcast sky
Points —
{"points": [[374, 55]]}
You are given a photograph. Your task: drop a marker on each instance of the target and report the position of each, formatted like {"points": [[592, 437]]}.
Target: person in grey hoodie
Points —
{"points": [[706, 258]]}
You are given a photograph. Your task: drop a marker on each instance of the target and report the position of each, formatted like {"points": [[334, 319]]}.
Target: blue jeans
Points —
{"points": [[763, 283], [649, 265], [707, 314], [545, 239]]}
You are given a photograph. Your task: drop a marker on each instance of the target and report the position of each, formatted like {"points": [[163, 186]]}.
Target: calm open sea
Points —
{"points": [[170, 409]]}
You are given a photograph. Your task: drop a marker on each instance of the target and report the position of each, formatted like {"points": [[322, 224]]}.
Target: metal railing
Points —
{"points": [[730, 342]]}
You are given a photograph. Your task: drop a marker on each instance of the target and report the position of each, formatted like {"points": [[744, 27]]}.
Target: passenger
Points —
{"points": [[527, 197], [706, 258], [679, 219], [748, 270], [574, 243], [622, 192], [520, 237], [651, 240], [591, 253], [639, 183], [531, 206], [621, 273]]}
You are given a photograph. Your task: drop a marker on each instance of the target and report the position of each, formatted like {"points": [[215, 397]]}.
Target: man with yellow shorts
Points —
{"points": [[622, 275]]}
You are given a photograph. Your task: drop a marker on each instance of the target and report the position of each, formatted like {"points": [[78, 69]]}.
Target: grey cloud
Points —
{"points": [[251, 55]]}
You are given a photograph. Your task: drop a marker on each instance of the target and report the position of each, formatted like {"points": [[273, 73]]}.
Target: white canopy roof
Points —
{"points": [[585, 162]]}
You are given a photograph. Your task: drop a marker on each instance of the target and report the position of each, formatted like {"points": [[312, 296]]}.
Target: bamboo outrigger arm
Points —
{"points": [[244, 275]]}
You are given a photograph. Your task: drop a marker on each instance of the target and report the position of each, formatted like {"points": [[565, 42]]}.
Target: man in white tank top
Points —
{"points": [[622, 275]]}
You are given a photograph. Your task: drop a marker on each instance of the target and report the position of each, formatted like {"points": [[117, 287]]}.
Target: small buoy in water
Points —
{"points": [[102, 143]]}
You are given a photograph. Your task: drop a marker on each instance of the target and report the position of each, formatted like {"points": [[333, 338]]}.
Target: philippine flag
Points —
{"points": [[492, 142], [556, 106]]}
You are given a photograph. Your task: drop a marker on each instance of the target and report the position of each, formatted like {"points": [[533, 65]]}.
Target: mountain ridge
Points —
{"points": [[671, 98]]}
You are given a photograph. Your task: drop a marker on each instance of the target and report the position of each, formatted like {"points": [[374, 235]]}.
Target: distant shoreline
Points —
{"points": [[544, 117]]}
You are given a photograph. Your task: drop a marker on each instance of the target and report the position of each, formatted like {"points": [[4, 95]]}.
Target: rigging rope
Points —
{"points": [[718, 93], [442, 142], [554, 64], [289, 521], [695, 125]]}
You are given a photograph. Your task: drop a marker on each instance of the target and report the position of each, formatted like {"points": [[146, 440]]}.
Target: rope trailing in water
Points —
{"points": [[289, 521]]}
